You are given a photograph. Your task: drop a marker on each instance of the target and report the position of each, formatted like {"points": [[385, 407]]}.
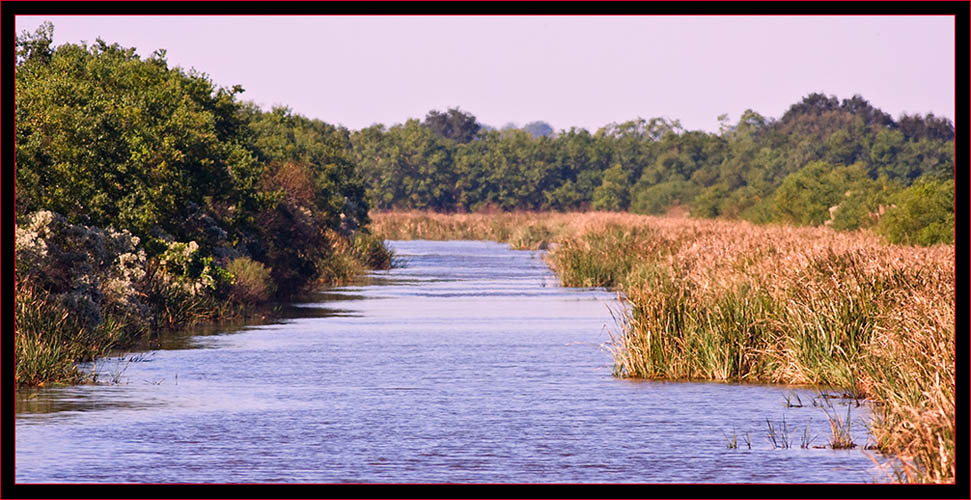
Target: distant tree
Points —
{"points": [[759, 168], [813, 104], [859, 106], [657, 199], [863, 203], [539, 129], [36, 45], [707, 202], [915, 127], [922, 214], [453, 124], [808, 196], [614, 193], [842, 148], [884, 148]]}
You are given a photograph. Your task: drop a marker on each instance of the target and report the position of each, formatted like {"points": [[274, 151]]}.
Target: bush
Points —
{"points": [[339, 268], [371, 251], [252, 283], [922, 214], [656, 199], [88, 270]]}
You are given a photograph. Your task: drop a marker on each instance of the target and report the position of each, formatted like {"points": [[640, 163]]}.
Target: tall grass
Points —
{"points": [[721, 300], [522, 230], [352, 256], [49, 339], [841, 438]]}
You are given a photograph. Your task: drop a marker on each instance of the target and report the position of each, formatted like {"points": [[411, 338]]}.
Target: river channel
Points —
{"points": [[469, 364]]}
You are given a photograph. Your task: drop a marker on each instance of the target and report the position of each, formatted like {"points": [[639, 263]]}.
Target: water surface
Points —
{"points": [[469, 365]]}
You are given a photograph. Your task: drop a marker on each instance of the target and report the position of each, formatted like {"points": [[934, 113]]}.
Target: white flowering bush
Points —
{"points": [[88, 270], [182, 267]]}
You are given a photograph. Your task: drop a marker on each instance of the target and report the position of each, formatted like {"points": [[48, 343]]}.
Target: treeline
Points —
{"points": [[825, 161], [148, 198]]}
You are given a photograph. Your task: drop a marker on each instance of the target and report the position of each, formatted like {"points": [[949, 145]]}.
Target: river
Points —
{"points": [[470, 364]]}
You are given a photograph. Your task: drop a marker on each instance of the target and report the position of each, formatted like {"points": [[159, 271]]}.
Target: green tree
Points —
{"points": [[539, 129], [807, 196], [614, 192], [107, 138], [657, 199], [454, 124], [922, 214], [339, 198], [864, 202], [35, 46]]}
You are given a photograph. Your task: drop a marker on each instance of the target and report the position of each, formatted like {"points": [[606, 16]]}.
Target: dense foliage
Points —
{"points": [[108, 139], [146, 197], [825, 161]]}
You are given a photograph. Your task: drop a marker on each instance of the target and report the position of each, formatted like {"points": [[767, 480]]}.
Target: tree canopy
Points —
{"points": [[793, 169], [106, 138]]}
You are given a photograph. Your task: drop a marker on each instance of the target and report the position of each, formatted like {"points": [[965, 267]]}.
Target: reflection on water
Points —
{"points": [[469, 365]]}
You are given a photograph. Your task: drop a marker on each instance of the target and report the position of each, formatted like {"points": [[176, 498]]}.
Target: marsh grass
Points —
{"points": [[789, 400], [350, 257], [732, 439], [807, 439], [49, 339], [841, 438], [727, 300], [779, 437]]}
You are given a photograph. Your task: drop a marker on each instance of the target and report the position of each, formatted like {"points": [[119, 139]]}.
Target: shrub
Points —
{"points": [[371, 251], [922, 214], [656, 199], [339, 268], [182, 266], [292, 232], [252, 283], [88, 270]]}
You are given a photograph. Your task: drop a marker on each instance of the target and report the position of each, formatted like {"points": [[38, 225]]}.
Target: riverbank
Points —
{"points": [[84, 291], [718, 300]]}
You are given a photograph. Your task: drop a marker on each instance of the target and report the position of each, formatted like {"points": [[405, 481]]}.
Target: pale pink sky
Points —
{"points": [[566, 70]]}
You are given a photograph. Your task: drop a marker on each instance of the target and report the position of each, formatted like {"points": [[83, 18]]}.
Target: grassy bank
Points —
{"points": [[717, 300], [83, 291]]}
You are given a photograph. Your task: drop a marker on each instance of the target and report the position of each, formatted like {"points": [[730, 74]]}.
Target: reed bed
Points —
{"points": [[727, 300]]}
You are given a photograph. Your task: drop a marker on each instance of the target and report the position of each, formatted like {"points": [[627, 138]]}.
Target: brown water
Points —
{"points": [[470, 364]]}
